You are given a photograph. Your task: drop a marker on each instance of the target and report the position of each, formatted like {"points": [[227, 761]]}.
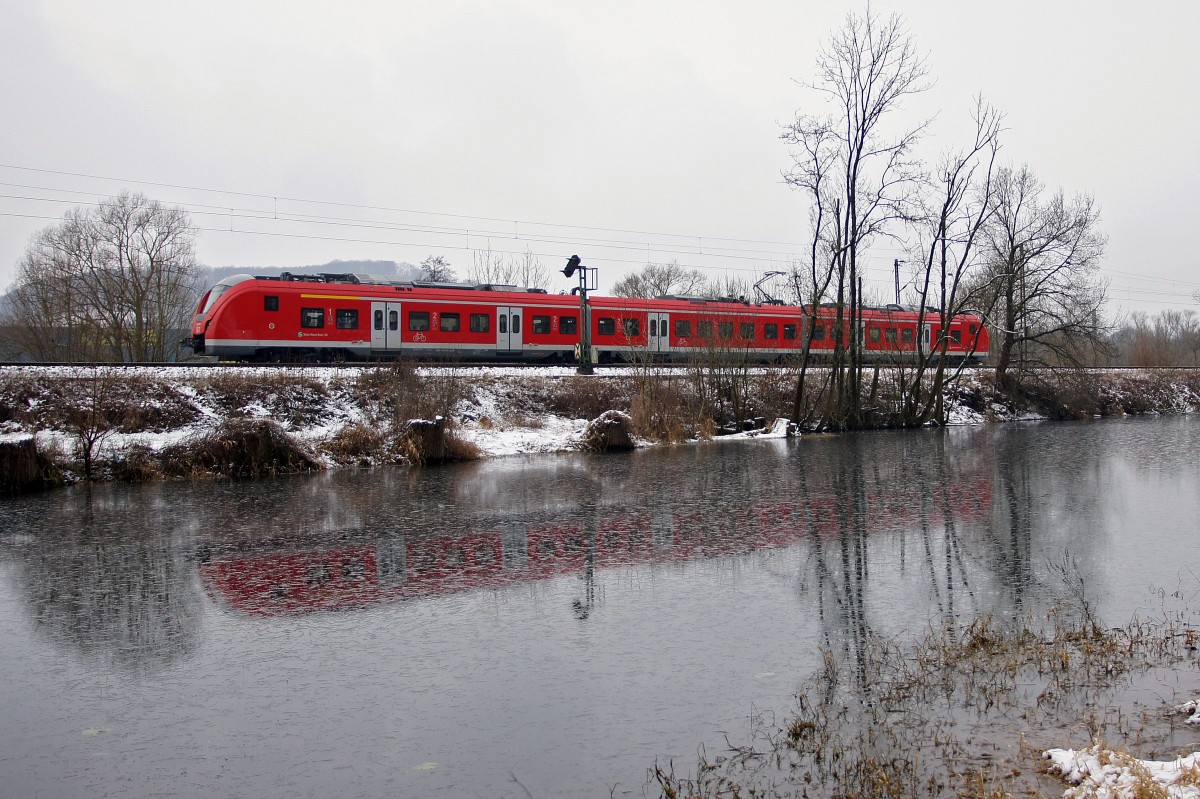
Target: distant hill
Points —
{"points": [[401, 270]]}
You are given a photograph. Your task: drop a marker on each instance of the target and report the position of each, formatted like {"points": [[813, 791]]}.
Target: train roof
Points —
{"points": [[356, 279], [681, 301]]}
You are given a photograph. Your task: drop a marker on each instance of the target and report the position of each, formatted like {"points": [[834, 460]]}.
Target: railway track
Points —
{"points": [[206, 364]]}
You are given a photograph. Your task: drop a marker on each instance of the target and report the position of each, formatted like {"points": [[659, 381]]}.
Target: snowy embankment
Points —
{"points": [[360, 416], [495, 409]]}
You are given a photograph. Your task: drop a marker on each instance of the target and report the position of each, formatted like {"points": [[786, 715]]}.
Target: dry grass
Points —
{"points": [[135, 402], [287, 398], [357, 445], [579, 397], [664, 409], [238, 448], [398, 393]]}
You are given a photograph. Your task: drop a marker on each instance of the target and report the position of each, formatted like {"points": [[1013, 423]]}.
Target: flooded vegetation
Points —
{"points": [[749, 618]]}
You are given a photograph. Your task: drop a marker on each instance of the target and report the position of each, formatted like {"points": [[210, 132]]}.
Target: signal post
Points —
{"points": [[587, 282]]}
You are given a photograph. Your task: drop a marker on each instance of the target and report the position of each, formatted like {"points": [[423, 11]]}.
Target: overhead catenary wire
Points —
{"points": [[678, 247], [392, 209]]}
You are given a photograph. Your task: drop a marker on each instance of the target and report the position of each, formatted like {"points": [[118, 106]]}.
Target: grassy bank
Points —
{"points": [[140, 424]]}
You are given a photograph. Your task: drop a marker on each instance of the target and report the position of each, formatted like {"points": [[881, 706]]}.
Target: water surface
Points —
{"points": [[564, 621]]}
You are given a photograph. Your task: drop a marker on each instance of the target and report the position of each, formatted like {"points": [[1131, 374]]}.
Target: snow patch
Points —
{"points": [[1101, 773]]}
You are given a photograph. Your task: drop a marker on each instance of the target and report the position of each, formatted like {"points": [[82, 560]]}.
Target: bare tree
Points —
{"points": [[656, 280], [1042, 290], [1169, 338], [524, 270], [958, 207], [118, 280], [95, 411], [436, 269], [859, 175]]}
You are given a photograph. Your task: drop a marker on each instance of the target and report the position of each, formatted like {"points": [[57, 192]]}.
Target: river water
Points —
{"points": [[549, 626]]}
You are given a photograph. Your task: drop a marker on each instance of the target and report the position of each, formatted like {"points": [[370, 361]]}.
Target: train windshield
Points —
{"points": [[222, 287]]}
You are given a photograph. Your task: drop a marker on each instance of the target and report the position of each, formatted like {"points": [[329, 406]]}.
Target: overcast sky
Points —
{"points": [[624, 131]]}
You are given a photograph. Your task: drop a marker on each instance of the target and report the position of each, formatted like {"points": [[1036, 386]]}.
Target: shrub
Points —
{"points": [[23, 467], [239, 448], [356, 444], [136, 464]]}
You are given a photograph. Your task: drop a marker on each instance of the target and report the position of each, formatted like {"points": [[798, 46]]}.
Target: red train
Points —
{"points": [[360, 317]]}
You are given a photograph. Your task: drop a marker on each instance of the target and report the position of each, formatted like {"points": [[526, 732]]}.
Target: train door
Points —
{"points": [[658, 338], [508, 328], [385, 326]]}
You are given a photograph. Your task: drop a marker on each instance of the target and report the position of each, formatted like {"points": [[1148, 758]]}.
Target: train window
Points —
{"points": [[746, 330], [516, 323], [450, 323], [725, 329], [393, 320], [704, 330], [480, 323], [503, 320], [653, 328], [541, 326], [818, 333], [683, 328], [956, 336], [972, 330], [770, 331], [906, 335], [606, 326], [271, 302], [347, 318], [312, 317], [789, 332], [418, 320], [568, 325], [631, 327], [873, 334], [379, 320], [889, 335]]}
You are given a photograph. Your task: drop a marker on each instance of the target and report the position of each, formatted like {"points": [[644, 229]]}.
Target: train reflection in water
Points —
{"points": [[362, 567]]}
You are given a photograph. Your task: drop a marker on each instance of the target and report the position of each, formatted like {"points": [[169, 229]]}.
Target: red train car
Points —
{"points": [[358, 317]]}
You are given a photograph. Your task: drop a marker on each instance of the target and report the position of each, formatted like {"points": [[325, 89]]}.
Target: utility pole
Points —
{"points": [[587, 282], [896, 267]]}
